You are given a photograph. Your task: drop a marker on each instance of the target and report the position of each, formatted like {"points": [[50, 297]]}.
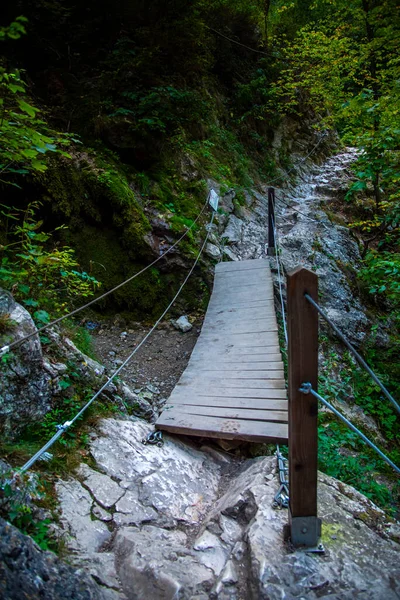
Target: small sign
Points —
{"points": [[213, 199]]}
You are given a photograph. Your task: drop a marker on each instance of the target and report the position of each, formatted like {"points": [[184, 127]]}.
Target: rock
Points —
{"points": [[233, 231], [182, 324], [230, 254], [103, 489], [213, 251], [101, 514], [159, 474], [25, 385], [134, 513], [226, 201], [212, 553], [26, 571], [136, 401], [85, 535], [229, 575], [155, 563]]}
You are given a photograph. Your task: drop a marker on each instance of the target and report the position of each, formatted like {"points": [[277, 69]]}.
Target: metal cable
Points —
{"points": [[357, 356], [67, 424], [306, 388], [244, 45], [303, 160], [9, 347], [279, 277]]}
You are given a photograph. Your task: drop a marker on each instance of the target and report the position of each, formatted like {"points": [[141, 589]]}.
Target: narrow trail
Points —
{"points": [[190, 521]]}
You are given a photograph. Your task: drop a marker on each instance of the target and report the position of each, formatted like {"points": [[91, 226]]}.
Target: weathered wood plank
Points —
{"points": [[243, 265], [214, 383], [207, 373], [229, 392], [202, 366], [229, 402], [215, 427], [230, 327], [228, 412]]}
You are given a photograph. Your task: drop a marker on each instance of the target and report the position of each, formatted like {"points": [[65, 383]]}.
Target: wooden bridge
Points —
{"points": [[234, 386]]}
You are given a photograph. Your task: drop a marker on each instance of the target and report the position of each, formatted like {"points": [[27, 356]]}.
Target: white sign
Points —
{"points": [[213, 199]]}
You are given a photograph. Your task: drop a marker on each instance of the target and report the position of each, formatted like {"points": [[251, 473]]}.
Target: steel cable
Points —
{"points": [[306, 388], [68, 424], [20, 341], [357, 356]]}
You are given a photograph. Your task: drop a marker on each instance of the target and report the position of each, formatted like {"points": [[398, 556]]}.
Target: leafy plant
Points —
{"points": [[42, 277], [26, 138]]}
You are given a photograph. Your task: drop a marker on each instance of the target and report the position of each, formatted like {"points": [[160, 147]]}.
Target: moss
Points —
{"points": [[95, 190]]}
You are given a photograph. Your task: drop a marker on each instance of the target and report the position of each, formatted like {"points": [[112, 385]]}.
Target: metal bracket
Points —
{"points": [[305, 531]]}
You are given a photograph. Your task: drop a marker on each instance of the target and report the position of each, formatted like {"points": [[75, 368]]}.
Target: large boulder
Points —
{"points": [[25, 386], [26, 571]]}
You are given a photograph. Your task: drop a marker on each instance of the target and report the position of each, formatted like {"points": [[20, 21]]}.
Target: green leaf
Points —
{"points": [[27, 108]]}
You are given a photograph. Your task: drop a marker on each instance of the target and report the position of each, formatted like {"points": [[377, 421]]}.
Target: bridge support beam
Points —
{"points": [[302, 321]]}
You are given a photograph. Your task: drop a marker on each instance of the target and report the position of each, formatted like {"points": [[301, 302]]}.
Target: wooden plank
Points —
{"points": [[242, 265], [229, 392], [250, 337], [254, 403], [216, 427], [261, 353], [206, 373], [212, 366], [214, 383], [303, 409], [226, 328], [234, 316], [228, 412], [262, 283]]}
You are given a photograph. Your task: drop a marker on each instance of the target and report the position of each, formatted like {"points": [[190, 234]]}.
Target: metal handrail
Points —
{"points": [[357, 356], [306, 388]]}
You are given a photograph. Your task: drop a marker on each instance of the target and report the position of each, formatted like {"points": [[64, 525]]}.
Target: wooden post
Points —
{"points": [[271, 221], [302, 321]]}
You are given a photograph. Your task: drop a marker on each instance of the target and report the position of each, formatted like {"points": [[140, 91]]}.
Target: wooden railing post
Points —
{"points": [[271, 221], [302, 321]]}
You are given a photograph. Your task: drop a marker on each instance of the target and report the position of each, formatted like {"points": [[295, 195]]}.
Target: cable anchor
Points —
{"points": [[154, 438]]}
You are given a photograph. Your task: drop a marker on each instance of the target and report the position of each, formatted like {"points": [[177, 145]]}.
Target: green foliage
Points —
{"points": [[341, 454], [382, 276], [17, 507], [26, 139], [84, 341], [42, 277]]}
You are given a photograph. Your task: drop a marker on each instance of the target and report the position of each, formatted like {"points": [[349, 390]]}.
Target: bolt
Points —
{"points": [[304, 530]]}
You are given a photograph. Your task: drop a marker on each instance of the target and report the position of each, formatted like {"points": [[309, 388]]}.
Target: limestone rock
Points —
{"points": [[156, 563], [26, 571], [233, 231], [103, 489], [182, 324], [85, 535], [213, 251], [159, 474], [25, 386]]}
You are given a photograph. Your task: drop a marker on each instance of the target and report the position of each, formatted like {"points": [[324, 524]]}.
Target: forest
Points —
{"points": [[113, 116]]}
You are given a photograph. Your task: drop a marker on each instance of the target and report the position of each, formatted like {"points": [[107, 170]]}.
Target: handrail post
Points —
{"points": [[271, 221], [302, 321]]}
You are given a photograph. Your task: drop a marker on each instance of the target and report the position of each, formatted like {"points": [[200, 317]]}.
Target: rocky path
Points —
{"points": [[189, 521]]}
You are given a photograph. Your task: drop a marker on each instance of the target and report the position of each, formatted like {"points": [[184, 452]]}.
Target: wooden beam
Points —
{"points": [[302, 320]]}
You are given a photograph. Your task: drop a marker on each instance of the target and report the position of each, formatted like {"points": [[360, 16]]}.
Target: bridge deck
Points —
{"points": [[234, 386]]}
